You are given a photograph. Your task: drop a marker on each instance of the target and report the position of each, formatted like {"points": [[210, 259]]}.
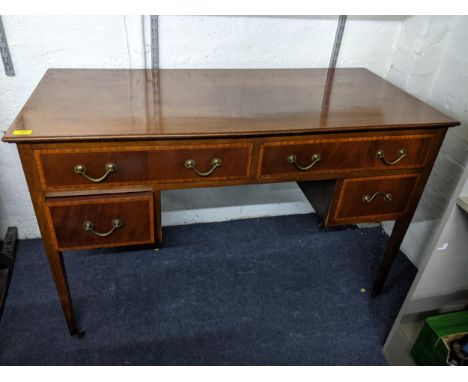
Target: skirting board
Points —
{"points": [[210, 215]]}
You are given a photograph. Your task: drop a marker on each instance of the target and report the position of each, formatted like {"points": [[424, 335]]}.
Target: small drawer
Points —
{"points": [[334, 156], [102, 221], [116, 166], [202, 163], [361, 200]]}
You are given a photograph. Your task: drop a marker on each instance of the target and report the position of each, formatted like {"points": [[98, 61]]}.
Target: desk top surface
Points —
{"points": [[110, 104]]}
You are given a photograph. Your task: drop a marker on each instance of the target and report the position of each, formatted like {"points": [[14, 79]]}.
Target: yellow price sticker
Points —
{"points": [[22, 132]]}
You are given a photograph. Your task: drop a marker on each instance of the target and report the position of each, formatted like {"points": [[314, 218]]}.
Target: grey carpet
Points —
{"points": [[271, 291]]}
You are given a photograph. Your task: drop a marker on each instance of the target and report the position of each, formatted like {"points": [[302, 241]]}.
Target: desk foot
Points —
{"points": [[61, 284], [393, 247], [78, 335], [158, 246]]}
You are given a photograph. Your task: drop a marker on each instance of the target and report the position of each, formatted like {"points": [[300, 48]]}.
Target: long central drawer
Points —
{"points": [[92, 167], [275, 159]]}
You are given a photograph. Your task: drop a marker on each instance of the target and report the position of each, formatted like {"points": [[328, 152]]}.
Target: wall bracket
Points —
{"points": [[154, 42], [337, 43], [5, 52]]}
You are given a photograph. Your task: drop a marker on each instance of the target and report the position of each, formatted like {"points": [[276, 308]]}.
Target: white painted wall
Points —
{"points": [[37, 43], [424, 55], [430, 61]]}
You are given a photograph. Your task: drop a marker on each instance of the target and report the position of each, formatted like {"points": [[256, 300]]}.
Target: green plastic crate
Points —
{"points": [[431, 347]]}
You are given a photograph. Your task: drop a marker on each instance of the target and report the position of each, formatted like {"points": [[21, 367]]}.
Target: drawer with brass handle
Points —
{"points": [[61, 169], [215, 163], [102, 221], [316, 157], [402, 153], [89, 226], [369, 198], [80, 169], [361, 200]]}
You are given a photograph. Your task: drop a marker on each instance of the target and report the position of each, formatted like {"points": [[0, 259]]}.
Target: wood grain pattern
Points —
{"points": [[111, 104], [351, 209], [141, 164], [68, 214], [150, 122], [343, 154], [54, 256], [402, 224], [161, 164], [163, 142]]}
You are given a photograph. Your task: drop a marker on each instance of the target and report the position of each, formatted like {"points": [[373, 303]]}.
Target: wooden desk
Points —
{"points": [[98, 146]]}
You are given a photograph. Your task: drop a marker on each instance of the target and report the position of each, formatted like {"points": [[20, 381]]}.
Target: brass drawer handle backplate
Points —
{"points": [[369, 198], [293, 160], [80, 169], [401, 154], [89, 226], [215, 163]]}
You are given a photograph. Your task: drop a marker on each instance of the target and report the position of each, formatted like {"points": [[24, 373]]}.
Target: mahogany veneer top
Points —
{"points": [[110, 104]]}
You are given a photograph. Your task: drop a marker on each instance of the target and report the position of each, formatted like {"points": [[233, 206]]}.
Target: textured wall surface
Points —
{"points": [[424, 55], [430, 61], [37, 43]]}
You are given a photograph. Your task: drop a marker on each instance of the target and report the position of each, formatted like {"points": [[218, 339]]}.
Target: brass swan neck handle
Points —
{"points": [[215, 163], [316, 158], [89, 226], [80, 169], [369, 198], [401, 154]]}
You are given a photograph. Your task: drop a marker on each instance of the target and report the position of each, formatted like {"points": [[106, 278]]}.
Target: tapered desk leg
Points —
{"points": [[54, 256], [157, 216], [393, 247], [61, 284], [401, 225]]}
